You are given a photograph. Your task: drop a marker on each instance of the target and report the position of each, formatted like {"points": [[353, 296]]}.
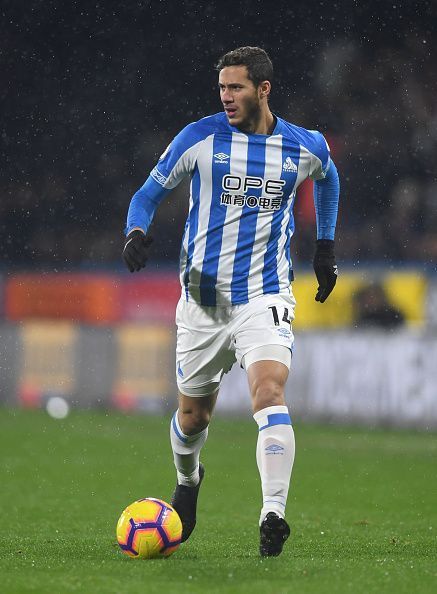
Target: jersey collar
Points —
{"points": [[276, 129]]}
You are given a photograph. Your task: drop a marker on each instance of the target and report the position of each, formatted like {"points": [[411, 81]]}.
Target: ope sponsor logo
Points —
{"points": [[271, 187], [265, 202]]}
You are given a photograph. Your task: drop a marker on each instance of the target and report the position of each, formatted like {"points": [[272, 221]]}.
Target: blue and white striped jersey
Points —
{"points": [[236, 243]]}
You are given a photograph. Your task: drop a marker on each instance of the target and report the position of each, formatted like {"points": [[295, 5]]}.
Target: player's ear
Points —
{"points": [[264, 88]]}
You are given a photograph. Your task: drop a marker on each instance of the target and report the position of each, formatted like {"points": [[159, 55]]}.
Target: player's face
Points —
{"points": [[240, 97]]}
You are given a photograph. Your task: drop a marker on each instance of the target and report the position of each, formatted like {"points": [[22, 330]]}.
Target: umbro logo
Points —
{"points": [[288, 165], [274, 449], [221, 158]]}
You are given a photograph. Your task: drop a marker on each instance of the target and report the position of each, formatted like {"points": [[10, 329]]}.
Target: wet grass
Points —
{"points": [[362, 508]]}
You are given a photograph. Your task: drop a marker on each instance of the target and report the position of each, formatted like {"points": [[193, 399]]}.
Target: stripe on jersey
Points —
{"points": [[273, 169], [289, 231], [217, 216], [238, 163], [193, 222], [304, 159], [204, 164], [183, 253], [279, 231], [247, 229]]}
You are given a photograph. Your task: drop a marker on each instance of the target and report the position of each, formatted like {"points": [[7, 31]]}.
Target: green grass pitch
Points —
{"points": [[363, 509]]}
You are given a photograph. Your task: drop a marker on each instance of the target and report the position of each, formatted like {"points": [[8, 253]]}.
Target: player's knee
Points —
{"points": [[267, 392], [193, 421]]}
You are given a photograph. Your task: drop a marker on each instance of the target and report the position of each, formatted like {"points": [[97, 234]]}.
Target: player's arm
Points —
{"points": [[140, 214], [326, 196], [176, 162]]}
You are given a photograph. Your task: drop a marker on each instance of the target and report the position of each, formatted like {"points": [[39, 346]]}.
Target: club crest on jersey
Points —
{"points": [[222, 158], [289, 165]]}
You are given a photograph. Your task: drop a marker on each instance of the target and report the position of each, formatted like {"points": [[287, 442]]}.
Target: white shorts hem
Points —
{"points": [[199, 391], [268, 352]]}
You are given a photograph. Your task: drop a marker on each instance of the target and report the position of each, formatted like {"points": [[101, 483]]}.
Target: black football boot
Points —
{"points": [[274, 531], [184, 500]]}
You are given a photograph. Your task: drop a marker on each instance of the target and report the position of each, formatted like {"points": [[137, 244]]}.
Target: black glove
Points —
{"points": [[325, 268], [136, 250]]}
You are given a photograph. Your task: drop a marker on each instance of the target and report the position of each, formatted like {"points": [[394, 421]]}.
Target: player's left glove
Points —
{"points": [[325, 268], [136, 250]]}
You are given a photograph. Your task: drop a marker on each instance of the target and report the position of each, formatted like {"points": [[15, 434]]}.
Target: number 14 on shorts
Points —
{"points": [[275, 314]]}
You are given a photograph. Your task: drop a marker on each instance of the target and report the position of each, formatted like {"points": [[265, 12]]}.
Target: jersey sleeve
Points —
{"points": [[326, 197], [179, 158], [143, 205], [176, 162], [320, 156]]}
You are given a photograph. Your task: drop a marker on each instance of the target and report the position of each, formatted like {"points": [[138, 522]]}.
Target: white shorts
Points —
{"points": [[211, 339]]}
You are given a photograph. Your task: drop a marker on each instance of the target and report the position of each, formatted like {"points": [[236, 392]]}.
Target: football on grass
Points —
{"points": [[148, 529]]}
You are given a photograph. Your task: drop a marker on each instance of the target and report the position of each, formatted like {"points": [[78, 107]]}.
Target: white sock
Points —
{"points": [[275, 457], [186, 452]]}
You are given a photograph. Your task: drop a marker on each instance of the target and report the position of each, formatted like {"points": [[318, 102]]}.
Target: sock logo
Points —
{"points": [[274, 449]]}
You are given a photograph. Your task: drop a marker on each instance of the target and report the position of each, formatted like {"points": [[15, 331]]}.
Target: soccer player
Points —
{"points": [[245, 164]]}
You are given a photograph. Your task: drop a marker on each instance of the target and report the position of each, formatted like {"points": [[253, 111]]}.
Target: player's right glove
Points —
{"points": [[136, 250], [325, 268]]}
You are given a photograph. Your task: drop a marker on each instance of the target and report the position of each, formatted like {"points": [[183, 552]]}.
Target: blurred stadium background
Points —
{"points": [[93, 92]]}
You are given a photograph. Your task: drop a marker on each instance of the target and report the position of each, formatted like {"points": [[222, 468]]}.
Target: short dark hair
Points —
{"points": [[258, 64]]}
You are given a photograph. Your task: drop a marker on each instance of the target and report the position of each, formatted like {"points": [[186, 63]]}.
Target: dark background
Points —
{"points": [[92, 92]]}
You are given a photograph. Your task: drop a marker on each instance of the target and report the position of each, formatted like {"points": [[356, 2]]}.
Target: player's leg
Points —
{"points": [[264, 340], [202, 356], [188, 434], [275, 445]]}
